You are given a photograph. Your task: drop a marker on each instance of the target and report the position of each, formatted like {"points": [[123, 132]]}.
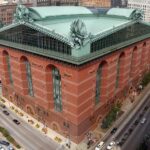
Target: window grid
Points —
{"points": [[118, 73], [57, 89], [29, 78], [31, 37], [123, 35], [9, 69], [98, 84]]}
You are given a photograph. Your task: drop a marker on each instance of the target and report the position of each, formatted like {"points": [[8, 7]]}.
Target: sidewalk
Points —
{"points": [[128, 107], [59, 139]]}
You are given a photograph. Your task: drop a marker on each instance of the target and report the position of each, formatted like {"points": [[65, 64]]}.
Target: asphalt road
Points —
{"points": [[133, 138], [137, 135], [25, 135]]}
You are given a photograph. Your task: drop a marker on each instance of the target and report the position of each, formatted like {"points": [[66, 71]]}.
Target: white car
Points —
{"points": [[99, 146], [111, 144], [2, 148], [143, 120]]}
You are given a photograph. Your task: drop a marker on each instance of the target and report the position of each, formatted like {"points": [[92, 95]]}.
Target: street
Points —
{"points": [[25, 135], [137, 136], [131, 132]]}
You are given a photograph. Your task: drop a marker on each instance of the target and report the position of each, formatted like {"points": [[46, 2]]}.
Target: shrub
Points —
{"points": [[37, 125], [21, 114], [44, 130], [12, 107], [111, 116], [16, 110], [3, 100], [145, 79], [31, 121], [9, 137], [58, 139]]}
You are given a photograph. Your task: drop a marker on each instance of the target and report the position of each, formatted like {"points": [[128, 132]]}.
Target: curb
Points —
{"points": [[143, 95]]}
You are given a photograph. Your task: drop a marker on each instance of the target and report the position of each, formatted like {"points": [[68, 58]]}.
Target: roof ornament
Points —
{"points": [[22, 14], [137, 15], [78, 33]]}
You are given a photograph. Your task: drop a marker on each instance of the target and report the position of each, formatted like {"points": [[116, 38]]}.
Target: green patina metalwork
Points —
{"points": [[76, 33], [22, 14]]}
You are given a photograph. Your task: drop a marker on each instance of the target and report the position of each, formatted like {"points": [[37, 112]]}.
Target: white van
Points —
{"points": [[99, 146], [143, 120]]}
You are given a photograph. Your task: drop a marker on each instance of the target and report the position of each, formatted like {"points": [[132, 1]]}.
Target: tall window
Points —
{"points": [[57, 89], [29, 78], [131, 65], [9, 68], [98, 84], [118, 73]]}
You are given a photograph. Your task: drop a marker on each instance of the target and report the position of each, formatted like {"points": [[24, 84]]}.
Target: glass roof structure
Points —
{"points": [[75, 32]]}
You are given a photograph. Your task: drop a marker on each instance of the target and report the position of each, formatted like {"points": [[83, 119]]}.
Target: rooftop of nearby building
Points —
{"points": [[80, 28]]}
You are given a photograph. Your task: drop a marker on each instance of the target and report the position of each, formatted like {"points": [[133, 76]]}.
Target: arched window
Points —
{"points": [[9, 68], [57, 89], [98, 84], [120, 68], [132, 61], [26, 76], [29, 78], [118, 73]]}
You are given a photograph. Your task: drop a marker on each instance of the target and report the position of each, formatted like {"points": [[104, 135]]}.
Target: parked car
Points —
{"points": [[143, 120], [10, 148], [114, 130], [136, 122], [99, 146], [6, 112], [16, 121], [111, 144], [146, 107], [4, 143], [1, 148], [120, 143]]}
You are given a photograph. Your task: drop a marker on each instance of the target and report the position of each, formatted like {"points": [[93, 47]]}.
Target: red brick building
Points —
{"points": [[7, 11], [67, 73]]}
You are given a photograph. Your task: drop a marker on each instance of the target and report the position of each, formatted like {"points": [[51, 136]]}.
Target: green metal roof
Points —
{"points": [[124, 12], [94, 24], [53, 11], [59, 22]]}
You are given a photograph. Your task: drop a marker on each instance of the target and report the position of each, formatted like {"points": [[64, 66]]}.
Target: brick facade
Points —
{"points": [[80, 113]]}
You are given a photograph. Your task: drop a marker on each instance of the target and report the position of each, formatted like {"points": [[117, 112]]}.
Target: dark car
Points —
{"points": [[136, 122], [120, 143], [130, 130], [145, 108], [16, 121], [4, 143], [6, 112], [113, 130]]}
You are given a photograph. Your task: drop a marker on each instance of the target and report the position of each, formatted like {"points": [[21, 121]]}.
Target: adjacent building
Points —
{"points": [[142, 5], [88, 3], [57, 2], [7, 12], [95, 3], [68, 68]]}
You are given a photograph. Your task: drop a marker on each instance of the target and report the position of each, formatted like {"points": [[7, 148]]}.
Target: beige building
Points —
{"points": [[96, 3], [144, 5], [88, 3]]}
